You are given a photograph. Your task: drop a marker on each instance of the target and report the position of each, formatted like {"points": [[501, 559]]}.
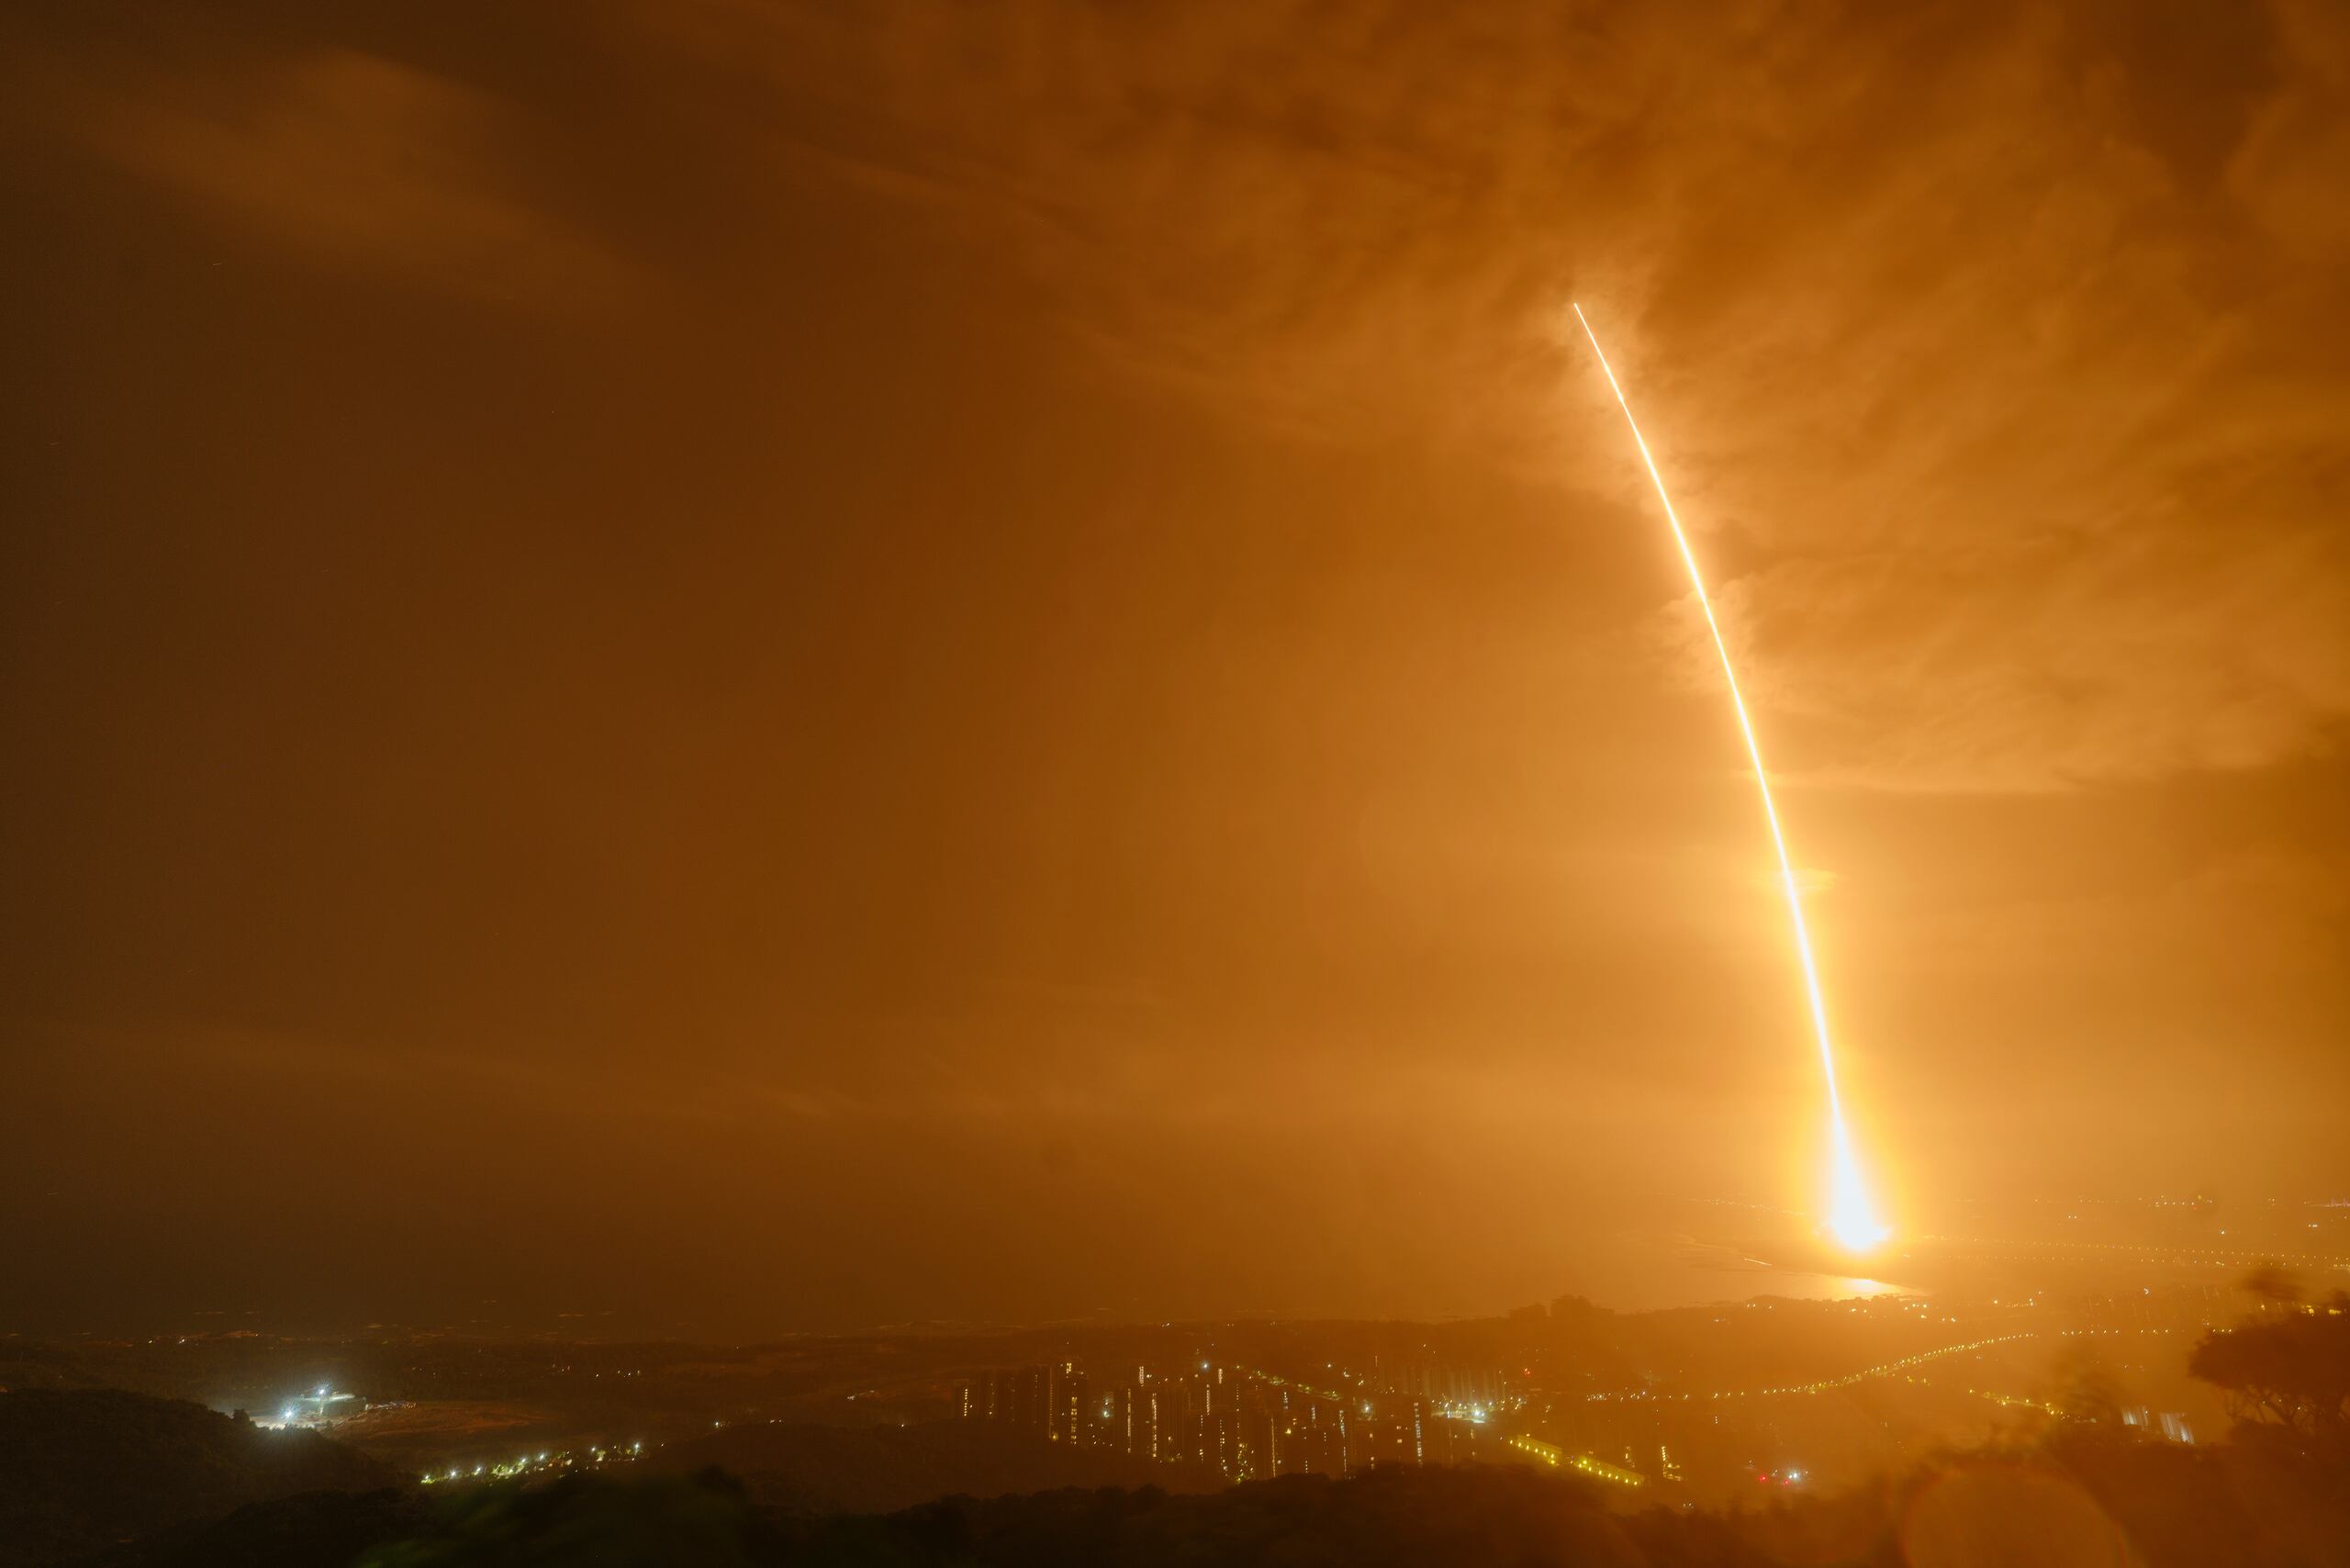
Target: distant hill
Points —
{"points": [[878, 1469], [85, 1469]]}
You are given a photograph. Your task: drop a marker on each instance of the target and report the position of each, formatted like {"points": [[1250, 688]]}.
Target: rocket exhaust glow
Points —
{"points": [[1852, 1218]]}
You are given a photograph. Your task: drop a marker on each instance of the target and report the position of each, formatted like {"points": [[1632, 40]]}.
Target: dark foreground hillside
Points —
{"points": [[2103, 1502], [81, 1469], [128, 1482], [875, 1470]]}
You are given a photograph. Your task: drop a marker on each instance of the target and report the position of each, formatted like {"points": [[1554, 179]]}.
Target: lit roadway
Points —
{"points": [[1890, 1369]]}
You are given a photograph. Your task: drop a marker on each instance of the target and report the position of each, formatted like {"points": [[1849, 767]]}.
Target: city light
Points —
{"points": [[1558, 1457]]}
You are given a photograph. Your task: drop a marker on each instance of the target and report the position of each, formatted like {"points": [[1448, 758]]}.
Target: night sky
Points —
{"points": [[781, 666]]}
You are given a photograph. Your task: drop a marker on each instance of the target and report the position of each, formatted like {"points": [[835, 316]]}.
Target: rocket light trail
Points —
{"points": [[1852, 1218]]}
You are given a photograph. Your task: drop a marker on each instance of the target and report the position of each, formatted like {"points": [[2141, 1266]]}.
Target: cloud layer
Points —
{"points": [[1984, 347]]}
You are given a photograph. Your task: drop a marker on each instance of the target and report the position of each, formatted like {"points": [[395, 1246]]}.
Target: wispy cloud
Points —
{"points": [[1997, 389], [358, 161]]}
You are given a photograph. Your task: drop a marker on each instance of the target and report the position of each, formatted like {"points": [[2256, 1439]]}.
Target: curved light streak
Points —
{"points": [[1851, 1218]]}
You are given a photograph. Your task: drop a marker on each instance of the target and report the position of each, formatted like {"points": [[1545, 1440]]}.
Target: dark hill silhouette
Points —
{"points": [[1436, 1517], [313, 1530], [84, 1468], [877, 1468], [2091, 1498]]}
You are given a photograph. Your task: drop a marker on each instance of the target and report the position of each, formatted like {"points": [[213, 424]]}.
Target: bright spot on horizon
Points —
{"points": [[1852, 1218]]}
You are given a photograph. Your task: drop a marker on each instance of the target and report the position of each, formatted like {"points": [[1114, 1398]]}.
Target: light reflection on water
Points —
{"points": [[1653, 1270]]}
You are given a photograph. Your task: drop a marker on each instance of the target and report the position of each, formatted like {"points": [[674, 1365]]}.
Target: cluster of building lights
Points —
{"points": [[535, 1464], [2018, 1402], [1279, 1381], [321, 1405], [1558, 1457]]}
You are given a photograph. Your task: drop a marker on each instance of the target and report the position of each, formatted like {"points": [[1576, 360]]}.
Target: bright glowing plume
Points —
{"points": [[1852, 1217]]}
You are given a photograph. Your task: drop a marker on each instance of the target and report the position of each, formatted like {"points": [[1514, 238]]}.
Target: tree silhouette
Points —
{"points": [[2275, 1285], [2090, 1391], [2286, 1371]]}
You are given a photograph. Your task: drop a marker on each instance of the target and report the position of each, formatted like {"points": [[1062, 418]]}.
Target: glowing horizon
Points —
{"points": [[1852, 1217]]}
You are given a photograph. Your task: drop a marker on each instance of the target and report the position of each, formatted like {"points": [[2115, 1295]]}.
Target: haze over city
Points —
{"points": [[690, 674]]}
